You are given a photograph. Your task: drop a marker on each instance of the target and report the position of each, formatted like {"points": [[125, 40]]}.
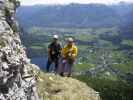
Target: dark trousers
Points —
{"points": [[65, 67], [49, 62]]}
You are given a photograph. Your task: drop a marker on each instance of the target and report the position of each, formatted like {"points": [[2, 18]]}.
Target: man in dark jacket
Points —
{"points": [[54, 52]]}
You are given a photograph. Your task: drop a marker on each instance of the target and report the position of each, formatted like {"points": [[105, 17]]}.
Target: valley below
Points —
{"points": [[105, 47]]}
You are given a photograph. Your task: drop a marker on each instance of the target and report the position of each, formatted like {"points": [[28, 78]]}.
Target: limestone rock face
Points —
{"points": [[17, 81]]}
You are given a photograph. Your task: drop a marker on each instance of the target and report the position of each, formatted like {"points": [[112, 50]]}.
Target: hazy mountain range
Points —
{"points": [[74, 15]]}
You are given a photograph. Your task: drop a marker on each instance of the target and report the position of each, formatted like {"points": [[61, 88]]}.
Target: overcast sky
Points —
{"points": [[33, 2]]}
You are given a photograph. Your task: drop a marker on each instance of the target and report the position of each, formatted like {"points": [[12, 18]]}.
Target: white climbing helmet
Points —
{"points": [[55, 36], [70, 39]]}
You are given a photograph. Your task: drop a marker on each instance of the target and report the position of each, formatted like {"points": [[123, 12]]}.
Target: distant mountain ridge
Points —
{"points": [[126, 29], [73, 15]]}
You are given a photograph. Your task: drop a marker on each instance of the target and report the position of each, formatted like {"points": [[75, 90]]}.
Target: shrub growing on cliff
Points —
{"points": [[109, 90]]}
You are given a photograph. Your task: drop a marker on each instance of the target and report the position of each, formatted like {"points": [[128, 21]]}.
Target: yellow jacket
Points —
{"points": [[69, 51]]}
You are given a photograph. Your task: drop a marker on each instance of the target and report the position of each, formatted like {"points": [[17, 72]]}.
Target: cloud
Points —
{"points": [[32, 2]]}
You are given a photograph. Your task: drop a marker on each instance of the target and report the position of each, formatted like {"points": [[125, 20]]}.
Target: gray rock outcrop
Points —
{"points": [[17, 81]]}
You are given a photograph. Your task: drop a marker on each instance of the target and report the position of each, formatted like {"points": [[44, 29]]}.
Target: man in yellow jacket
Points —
{"points": [[69, 54]]}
